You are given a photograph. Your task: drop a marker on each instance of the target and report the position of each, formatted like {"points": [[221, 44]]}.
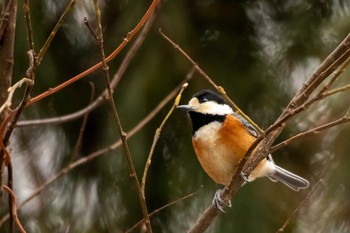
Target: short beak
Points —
{"points": [[186, 108]]}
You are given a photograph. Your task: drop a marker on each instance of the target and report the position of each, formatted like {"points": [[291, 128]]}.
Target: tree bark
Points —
{"points": [[7, 40]]}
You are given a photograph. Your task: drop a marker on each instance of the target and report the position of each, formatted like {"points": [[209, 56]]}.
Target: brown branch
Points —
{"points": [[204, 75], [26, 9], [156, 137], [82, 127], [30, 74], [90, 157], [326, 68], [7, 40], [330, 64], [299, 207], [337, 90], [102, 98], [14, 208], [154, 212], [295, 105], [117, 120], [54, 31], [314, 131], [125, 41]]}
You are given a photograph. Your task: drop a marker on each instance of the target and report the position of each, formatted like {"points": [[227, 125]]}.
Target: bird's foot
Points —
{"points": [[245, 177], [218, 202]]}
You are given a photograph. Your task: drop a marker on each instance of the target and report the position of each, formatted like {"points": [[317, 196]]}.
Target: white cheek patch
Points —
{"points": [[210, 107]]}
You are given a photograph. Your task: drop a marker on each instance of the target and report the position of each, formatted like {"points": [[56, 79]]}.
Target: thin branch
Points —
{"points": [[14, 208], [299, 207], [11, 200], [11, 90], [82, 127], [92, 31], [90, 157], [102, 98], [7, 42], [125, 41], [26, 9], [54, 31], [314, 131], [30, 75], [117, 120], [157, 135], [6, 158], [333, 77], [326, 68], [263, 143], [337, 90], [131, 229], [204, 75]]}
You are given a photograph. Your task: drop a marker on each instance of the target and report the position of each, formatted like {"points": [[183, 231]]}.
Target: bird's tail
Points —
{"points": [[293, 181]]}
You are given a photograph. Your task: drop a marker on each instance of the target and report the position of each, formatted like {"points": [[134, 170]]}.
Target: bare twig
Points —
{"points": [[30, 75], [11, 90], [265, 140], [4, 152], [117, 120], [337, 90], [102, 98], [157, 135], [90, 157], [162, 208], [54, 31], [92, 31], [26, 9], [82, 127], [125, 41], [7, 41], [218, 88], [328, 66], [299, 207], [314, 131], [14, 208]]}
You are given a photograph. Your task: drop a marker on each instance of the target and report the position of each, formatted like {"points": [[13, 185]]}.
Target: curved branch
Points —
{"points": [[329, 65], [14, 208], [314, 131], [125, 41], [102, 97], [102, 151]]}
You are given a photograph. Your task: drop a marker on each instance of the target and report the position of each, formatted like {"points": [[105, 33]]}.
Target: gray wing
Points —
{"points": [[247, 125], [253, 132]]}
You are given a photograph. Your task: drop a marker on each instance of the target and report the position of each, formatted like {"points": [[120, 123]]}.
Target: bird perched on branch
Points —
{"points": [[222, 137]]}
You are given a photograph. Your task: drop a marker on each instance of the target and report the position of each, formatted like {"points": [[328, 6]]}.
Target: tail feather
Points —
{"points": [[293, 181]]}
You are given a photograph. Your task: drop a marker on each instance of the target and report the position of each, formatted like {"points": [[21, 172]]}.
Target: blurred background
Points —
{"points": [[260, 51]]}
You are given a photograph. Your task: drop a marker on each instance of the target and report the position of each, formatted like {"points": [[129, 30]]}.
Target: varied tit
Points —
{"points": [[221, 138]]}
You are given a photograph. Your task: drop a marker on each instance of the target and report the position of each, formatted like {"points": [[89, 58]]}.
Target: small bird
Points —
{"points": [[220, 139]]}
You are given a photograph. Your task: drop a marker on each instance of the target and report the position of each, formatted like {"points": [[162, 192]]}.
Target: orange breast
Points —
{"points": [[221, 146]]}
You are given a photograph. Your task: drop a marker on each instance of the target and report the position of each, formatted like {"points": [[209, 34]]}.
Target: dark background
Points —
{"points": [[261, 52]]}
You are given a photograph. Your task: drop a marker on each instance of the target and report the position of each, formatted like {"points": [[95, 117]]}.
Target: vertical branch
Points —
{"points": [[122, 133], [156, 137], [14, 208], [7, 40], [26, 9], [110, 57], [204, 75]]}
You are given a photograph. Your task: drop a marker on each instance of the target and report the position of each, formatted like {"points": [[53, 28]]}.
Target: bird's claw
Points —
{"points": [[219, 203], [245, 177]]}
